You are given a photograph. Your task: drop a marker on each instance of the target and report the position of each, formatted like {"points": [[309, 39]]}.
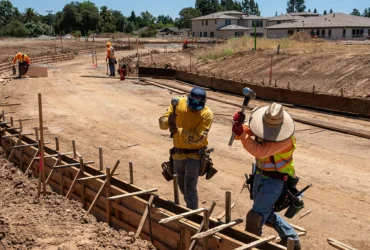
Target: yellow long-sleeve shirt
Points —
{"points": [[193, 128]]}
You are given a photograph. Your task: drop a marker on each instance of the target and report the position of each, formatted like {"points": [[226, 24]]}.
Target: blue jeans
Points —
{"points": [[266, 192], [188, 174]]}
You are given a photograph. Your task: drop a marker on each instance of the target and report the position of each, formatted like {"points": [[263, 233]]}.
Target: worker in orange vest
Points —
{"points": [[23, 63], [111, 59], [185, 45]]}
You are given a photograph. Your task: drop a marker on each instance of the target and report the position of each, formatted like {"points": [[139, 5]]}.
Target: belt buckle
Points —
{"points": [[201, 151]]}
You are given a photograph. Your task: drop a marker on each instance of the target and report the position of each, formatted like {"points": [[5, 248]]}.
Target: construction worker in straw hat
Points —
{"points": [[273, 146], [111, 59], [23, 63], [189, 125]]}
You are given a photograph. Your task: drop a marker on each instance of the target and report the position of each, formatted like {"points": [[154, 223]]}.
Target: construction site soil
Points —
{"points": [[122, 117], [51, 222], [328, 71]]}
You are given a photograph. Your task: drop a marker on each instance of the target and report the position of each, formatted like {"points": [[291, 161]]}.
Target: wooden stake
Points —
{"points": [[81, 175], [145, 216], [205, 228], [222, 215], [256, 243], [132, 194], [342, 92], [176, 189], [32, 161], [11, 122], [101, 189], [52, 169], [56, 143], [270, 79], [305, 214], [107, 190], [37, 133], [290, 245], [216, 229], [210, 211], [41, 148], [12, 153], [228, 207], [339, 245], [72, 187], [20, 125], [3, 115], [131, 173], [61, 41], [101, 164], [180, 216], [74, 149]]}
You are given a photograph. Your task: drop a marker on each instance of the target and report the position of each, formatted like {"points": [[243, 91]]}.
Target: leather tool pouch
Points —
{"points": [[206, 164], [287, 196], [167, 168]]}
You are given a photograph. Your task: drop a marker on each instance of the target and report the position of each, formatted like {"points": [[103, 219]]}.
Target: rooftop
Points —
{"points": [[286, 17], [233, 27], [252, 17], [331, 20], [304, 14], [220, 15]]}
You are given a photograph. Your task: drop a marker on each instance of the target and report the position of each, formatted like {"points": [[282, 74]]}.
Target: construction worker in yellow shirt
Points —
{"points": [[23, 63], [190, 125]]}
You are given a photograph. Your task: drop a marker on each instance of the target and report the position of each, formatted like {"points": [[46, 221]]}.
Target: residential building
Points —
{"points": [[331, 26]]}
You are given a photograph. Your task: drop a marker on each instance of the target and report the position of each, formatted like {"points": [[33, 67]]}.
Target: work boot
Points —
{"points": [[297, 243]]}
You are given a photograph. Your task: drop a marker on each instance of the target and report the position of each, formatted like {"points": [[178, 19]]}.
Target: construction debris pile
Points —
{"points": [[27, 222], [301, 37]]}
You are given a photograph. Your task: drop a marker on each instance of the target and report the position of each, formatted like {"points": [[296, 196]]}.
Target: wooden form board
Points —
{"points": [[127, 213]]}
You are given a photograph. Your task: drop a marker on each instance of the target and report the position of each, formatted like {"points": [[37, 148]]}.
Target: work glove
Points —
{"points": [[238, 129], [239, 118], [172, 123]]}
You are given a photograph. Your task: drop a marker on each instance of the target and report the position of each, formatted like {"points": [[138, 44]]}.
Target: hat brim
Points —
{"points": [[271, 133]]}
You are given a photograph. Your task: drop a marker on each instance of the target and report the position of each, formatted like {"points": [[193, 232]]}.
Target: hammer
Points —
{"points": [[248, 95], [174, 103]]}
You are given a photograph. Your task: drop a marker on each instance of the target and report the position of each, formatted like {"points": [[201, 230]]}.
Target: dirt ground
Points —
{"points": [[51, 222], [122, 117], [329, 71]]}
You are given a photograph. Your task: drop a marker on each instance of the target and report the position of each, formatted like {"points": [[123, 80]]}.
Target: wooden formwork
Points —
{"points": [[126, 213]]}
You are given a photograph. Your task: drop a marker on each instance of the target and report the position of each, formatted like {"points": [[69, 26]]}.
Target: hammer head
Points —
{"points": [[247, 92], [175, 101]]}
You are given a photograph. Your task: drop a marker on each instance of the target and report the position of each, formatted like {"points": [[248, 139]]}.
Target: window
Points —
{"points": [[205, 34], [259, 23], [212, 34], [357, 33], [202, 22], [206, 22], [257, 34], [329, 34], [200, 34], [227, 22], [238, 22], [193, 34], [323, 33], [239, 33], [278, 22], [317, 33], [344, 33], [290, 32], [215, 21]]}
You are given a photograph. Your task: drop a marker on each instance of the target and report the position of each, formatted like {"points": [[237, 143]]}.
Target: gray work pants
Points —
{"points": [[188, 174]]}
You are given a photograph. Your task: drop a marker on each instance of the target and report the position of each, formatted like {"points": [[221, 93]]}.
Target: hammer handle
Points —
{"points": [[174, 112], [232, 138]]}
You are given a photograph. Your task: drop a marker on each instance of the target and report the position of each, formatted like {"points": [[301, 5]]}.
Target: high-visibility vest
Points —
{"points": [[281, 162]]}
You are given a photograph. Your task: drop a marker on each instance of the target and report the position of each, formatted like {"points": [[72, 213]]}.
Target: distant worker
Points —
{"points": [[111, 59], [189, 125], [273, 147], [185, 45], [23, 63]]}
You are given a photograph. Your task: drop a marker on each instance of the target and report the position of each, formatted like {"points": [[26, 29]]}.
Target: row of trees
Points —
{"points": [[80, 18], [205, 7], [366, 12]]}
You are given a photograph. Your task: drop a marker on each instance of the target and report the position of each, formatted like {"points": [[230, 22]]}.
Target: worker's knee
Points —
{"points": [[254, 223]]}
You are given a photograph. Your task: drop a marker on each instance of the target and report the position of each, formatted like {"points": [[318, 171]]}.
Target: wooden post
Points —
{"points": [[176, 189], [61, 41], [36, 133], [11, 122], [101, 166], [131, 173], [205, 228], [20, 125], [228, 207], [278, 50], [137, 46], [74, 149], [56, 143], [108, 195], [61, 174], [41, 149], [270, 79], [3, 115], [290, 245], [81, 175], [145, 216], [342, 92]]}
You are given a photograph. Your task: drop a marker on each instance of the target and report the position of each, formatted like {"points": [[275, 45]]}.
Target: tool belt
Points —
{"points": [[288, 198], [273, 174]]}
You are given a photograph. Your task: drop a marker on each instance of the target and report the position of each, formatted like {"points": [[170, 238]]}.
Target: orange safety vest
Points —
{"points": [[281, 162]]}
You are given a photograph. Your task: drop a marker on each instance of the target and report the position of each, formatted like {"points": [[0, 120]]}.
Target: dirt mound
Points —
{"points": [[52, 222], [301, 37]]}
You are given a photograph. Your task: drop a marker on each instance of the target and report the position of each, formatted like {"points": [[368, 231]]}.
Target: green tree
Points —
{"points": [[129, 27], [204, 6], [164, 19], [231, 5], [30, 15], [315, 10], [132, 18], [185, 16], [89, 13], [355, 12], [331, 11], [7, 13], [71, 19], [295, 6], [367, 12], [146, 19], [309, 10], [325, 12], [246, 7], [16, 28], [120, 20], [37, 28], [254, 9], [107, 19]]}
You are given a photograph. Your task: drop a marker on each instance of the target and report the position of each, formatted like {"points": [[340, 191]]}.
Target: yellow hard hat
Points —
{"points": [[107, 44]]}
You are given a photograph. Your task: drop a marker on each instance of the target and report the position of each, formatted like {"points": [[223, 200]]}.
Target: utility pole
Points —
{"points": [[50, 21]]}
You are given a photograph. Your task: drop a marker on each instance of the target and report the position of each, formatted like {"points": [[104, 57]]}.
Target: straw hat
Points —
{"points": [[272, 123]]}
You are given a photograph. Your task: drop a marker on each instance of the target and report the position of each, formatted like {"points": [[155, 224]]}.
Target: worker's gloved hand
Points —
{"points": [[239, 118], [172, 123], [238, 129]]}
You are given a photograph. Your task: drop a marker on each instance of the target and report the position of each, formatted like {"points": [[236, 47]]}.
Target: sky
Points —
{"points": [[173, 7]]}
